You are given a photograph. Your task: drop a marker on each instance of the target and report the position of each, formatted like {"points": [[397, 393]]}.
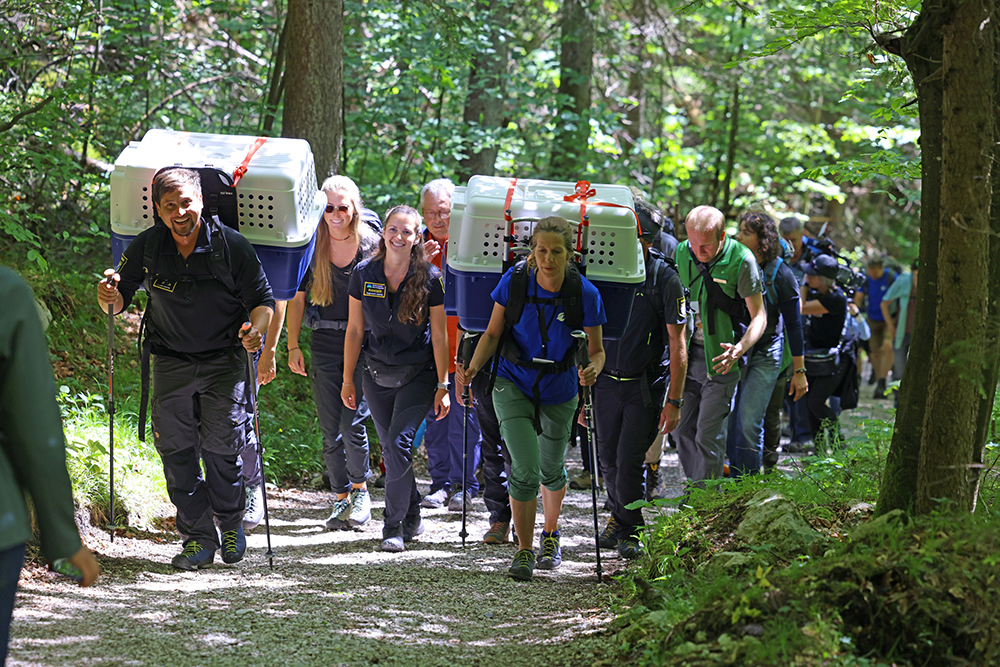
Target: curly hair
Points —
{"points": [[763, 226], [413, 291]]}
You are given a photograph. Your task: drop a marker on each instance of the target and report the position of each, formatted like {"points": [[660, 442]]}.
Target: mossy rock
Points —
{"points": [[774, 520], [729, 562], [880, 527]]}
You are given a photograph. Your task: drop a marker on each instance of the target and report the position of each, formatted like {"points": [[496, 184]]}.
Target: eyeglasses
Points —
{"points": [[343, 208], [438, 215]]}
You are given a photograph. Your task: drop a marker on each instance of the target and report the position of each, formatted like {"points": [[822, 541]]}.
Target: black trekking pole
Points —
{"points": [[583, 360], [464, 357], [252, 386], [110, 275]]}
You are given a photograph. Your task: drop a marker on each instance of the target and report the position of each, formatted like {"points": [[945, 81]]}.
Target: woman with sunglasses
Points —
{"points": [[399, 297], [321, 304]]}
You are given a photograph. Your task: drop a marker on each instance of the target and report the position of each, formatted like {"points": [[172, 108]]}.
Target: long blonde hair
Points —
{"points": [[413, 292], [321, 291]]}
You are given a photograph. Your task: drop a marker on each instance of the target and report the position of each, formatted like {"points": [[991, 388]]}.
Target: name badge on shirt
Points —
{"points": [[720, 280], [376, 290], [165, 285]]}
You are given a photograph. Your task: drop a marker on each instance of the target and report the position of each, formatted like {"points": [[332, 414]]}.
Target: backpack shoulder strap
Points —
{"points": [[573, 298], [516, 296]]}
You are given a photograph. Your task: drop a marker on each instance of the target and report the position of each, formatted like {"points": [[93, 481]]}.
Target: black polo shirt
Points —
{"points": [[642, 346], [193, 315], [389, 340]]}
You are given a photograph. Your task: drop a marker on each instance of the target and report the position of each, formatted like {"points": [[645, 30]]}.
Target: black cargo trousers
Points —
{"points": [[199, 415]]}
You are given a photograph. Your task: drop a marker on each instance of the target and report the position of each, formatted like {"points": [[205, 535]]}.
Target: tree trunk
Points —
{"points": [[920, 48], [951, 413], [484, 107], [314, 79], [570, 146], [276, 81], [635, 80]]}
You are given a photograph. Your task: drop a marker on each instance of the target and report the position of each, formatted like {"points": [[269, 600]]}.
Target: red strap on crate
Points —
{"points": [[508, 218], [242, 169], [583, 193]]}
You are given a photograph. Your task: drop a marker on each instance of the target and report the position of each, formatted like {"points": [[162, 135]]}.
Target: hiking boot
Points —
{"points": [[455, 504], [652, 480], [497, 534], [629, 548], [412, 527], [234, 545], [880, 391], [523, 565], [393, 544], [193, 557], [551, 556], [580, 482], [435, 500], [608, 538], [340, 515], [361, 508], [254, 512]]}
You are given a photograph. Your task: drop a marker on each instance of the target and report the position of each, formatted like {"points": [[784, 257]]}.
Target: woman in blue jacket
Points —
{"points": [[535, 408]]}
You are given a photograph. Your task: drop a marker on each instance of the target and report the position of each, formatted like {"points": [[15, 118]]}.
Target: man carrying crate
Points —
{"points": [[202, 279]]}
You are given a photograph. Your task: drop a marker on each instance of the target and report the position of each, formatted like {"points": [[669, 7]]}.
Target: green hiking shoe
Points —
{"points": [[523, 566]]}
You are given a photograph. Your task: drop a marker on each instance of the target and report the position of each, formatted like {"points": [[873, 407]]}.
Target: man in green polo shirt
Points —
{"points": [[729, 317]]}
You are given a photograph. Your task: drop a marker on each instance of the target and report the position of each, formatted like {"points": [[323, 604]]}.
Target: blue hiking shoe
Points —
{"points": [[551, 556], [234, 545], [193, 557]]}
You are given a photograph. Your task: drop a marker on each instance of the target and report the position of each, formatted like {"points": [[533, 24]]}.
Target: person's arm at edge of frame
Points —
{"points": [[352, 349], [266, 368], [36, 445], [439, 341], [670, 417], [758, 322], [296, 309], [260, 320], [485, 349]]}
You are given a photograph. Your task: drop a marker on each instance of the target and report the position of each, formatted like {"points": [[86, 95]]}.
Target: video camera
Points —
{"points": [[848, 278]]}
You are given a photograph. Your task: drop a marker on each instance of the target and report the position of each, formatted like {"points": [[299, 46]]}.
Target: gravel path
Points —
{"points": [[332, 599]]}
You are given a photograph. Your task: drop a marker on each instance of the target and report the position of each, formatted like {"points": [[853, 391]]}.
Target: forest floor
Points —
{"points": [[333, 598]]}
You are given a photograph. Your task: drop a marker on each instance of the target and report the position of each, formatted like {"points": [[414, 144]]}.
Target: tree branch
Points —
{"points": [[166, 100], [25, 112]]}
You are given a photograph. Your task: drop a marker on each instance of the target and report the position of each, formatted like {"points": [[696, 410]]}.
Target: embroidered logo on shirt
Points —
{"points": [[121, 263], [682, 307], [561, 317], [376, 290]]}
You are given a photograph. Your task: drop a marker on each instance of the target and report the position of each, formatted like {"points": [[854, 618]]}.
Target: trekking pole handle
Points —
{"points": [[582, 354], [465, 349]]}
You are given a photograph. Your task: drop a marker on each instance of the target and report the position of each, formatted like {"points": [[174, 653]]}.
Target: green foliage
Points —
{"points": [[891, 590]]}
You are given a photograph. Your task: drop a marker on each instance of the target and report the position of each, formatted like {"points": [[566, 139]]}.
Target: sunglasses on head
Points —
{"points": [[343, 208]]}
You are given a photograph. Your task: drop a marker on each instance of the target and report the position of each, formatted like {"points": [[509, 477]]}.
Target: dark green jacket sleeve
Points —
{"points": [[32, 449]]}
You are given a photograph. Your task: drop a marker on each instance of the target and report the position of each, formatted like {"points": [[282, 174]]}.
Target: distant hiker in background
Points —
{"points": [[899, 327], [322, 304], [32, 452], [879, 345], [203, 279]]}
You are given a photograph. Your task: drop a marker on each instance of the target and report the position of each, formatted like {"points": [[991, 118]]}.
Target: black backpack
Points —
{"points": [[571, 300]]}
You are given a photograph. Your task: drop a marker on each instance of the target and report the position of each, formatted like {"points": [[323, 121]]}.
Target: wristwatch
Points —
{"points": [[676, 402], [443, 385]]}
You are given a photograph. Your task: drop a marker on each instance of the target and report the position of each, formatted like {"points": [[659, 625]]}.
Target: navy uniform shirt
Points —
{"points": [[389, 340], [192, 314], [660, 301]]}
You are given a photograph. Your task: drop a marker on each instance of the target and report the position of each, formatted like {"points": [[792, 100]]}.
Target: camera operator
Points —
{"points": [[825, 305]]}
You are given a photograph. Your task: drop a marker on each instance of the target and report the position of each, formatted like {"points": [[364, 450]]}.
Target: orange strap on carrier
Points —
{"points": [[242, 169]]}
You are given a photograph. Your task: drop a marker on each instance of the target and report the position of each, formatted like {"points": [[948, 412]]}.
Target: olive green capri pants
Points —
{"points": [[534, 459]]}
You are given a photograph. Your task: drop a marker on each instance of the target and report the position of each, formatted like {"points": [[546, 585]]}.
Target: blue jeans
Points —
{"points": [[746, 423], [11, 561]]}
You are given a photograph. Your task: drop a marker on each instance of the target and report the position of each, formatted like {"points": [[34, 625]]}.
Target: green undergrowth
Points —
{"points": [[894, 590], [78, 343]]}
